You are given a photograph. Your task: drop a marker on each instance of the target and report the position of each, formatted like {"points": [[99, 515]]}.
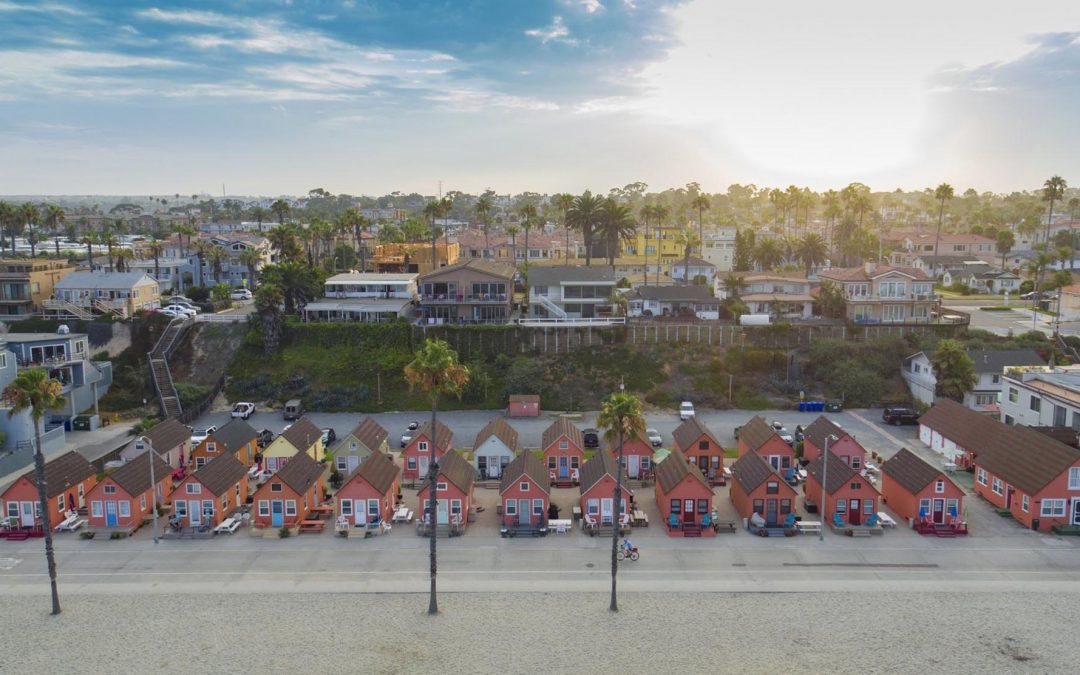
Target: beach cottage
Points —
{"points": [[170, 439], [702, 448], [68, 479], [417, 454], [637, 456], [368, 496], [125, 497], [300, 438], [494, 448], [757, 487], [453, 495], [288, 496], [366, 439], [598, 493], [850, 499], [922, 494], [684, 497], [759, 437], [564, 453], [206, 497], [236, 438], [524, 495], [846, 447]]}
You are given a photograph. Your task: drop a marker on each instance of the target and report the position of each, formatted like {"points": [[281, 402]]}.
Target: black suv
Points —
{"points": [[591, 438], [900, 416]]}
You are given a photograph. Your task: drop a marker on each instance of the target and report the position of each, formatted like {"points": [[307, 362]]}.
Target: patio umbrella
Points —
{"points": [[660, 455]]}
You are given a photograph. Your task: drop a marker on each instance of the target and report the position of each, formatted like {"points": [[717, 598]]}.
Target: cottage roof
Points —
{"points": [[756, 433], [910, 471], [220, 474], [689, 431], [691, 293], [165, 436], [488, 267], [563, 427], [300, 473], [674, 469], [861, 273], [820, 429], [840, 474], [751, 470], [500, 430], [302, 434], [69, 469], [559, 274], [378, 471], [694, 262], [443, 436], [602, 464], [455, 469], [526, 465], [997, 360], [235, 434], [134, 477], [524, 398], [370, 433], [958, 423], [1023, 457], [116, 281]]}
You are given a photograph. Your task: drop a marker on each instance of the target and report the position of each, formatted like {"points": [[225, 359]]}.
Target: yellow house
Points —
{"points": [[302, 436], [667, 243]]}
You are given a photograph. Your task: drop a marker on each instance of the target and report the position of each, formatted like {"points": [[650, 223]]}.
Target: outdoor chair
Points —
{"points": [[837, 521], [872, 520]]}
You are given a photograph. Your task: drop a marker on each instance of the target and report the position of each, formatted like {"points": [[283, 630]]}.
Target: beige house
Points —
{"points": [[82, 294], [25, 284], [783, 295], [877, 293], [467, 292]]}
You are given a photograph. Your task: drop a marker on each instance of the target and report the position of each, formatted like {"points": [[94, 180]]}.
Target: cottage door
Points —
{"points": [[688, 510], [633, 463], [110, 514], [564, 466], [493, 468], [27, 514], [444, 512], [770, 512], [855, 509], [524, 512], [775, 461], [277, 513], [422, 465], [939, 511], [607, 511], [352, 462], [360, 512], [195, 512], [481, 466], [1075, 511]]}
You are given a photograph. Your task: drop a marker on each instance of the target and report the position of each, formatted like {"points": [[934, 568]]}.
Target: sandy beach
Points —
{"points": [[544, 632]]}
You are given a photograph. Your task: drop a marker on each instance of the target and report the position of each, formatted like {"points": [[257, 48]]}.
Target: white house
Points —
{"points": [[697, 267], [571, 291], [673, 301], [779, 295], [718, 248], [990, 365], [1040, 397], [368, 297], [494, 448]]}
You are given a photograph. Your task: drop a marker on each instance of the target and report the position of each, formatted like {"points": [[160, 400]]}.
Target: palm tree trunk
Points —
{"points": [[701, 230], [566, 251], [686, 266], [526, 250], [433, 475], [614, 607], [57, 242], [645, 251], [110, 258], [43, 499], [90, 255], [434, 263]]}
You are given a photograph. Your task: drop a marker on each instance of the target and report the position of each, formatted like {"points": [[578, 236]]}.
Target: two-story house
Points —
{"points": [[365, 296], [990, 366], [779, 294], [24, 284], [568, 291], [877, 293], [414, 257], [83, 294], [235, 270], [718, 248], [1041, 397], [968, 245], [697, 267], [467, 292]]}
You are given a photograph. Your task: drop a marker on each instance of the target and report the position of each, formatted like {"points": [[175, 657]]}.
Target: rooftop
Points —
{"points": [[556, 274], [373, 278]]}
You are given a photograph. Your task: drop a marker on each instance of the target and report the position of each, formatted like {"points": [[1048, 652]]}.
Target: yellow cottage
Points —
{"points": [[302, 436]]}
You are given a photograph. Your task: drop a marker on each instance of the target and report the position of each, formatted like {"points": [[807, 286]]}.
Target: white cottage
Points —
{"points": [[495, 447]]}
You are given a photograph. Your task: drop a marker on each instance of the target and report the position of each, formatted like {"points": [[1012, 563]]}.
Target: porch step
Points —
{"points": [[859, 532], [691, 530], [946, 534], [18, 536]]}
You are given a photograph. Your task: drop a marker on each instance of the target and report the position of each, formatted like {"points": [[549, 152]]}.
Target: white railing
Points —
{"points": [[609, 321], [221, 318], [550, 306]]}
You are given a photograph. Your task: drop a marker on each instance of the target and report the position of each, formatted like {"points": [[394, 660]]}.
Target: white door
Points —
{"points": [[607, 511], [422, 465], [195, 512], [632, 466], [493, 468], [27, 514], [353, 462]]}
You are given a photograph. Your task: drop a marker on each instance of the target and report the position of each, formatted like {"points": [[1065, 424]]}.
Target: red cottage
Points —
{"points": [[684, 497], [922, 494], [453, 495], [170, 439], [367, 498], [125, 497], [563, 447], [206, 497], [757, 436], [290, 494], [757, 487], [523, 405], [598, 493], [850, 499], [846, 448], [417, 453], [524, 495], [67, 480], [637, 456], [701, 447]]}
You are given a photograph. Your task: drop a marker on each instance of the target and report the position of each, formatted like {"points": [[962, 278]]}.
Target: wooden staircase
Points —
{"points": [[168, 399], [691, 530]]}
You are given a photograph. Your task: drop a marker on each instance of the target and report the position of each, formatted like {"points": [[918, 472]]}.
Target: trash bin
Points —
{"points": [[802, 406], [1035, 523], [81, 423]]}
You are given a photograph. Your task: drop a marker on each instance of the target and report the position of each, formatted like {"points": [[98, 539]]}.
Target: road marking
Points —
{"points": [[8, 563]]}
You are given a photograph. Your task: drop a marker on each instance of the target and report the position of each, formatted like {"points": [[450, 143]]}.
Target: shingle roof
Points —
{"points": [[235, 434], [101, 280], [378, 471], [676, 293], [562, 426], [751, 470], [674, 469], [165, 436], [958, 423], [526, 464], [524, 398], [456, 470], [997, 360], [756, 433], [689, 431], [603, 463], [134, 477], [499, 429], [910, 471], [839, 472], [860, 274], [220, 474], [302, 434], [300, 473], [557, 274], [443, 436], [821, 428], [1023, 457], [488, 267], [370, 433], [69, 469]]}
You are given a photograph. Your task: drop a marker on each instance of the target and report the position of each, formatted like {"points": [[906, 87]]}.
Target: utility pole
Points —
{"points": [[824, 479], [153, 489]]}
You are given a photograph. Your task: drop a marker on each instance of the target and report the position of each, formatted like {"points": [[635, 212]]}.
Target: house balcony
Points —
{"points": [[466, 298], [909, 297]]}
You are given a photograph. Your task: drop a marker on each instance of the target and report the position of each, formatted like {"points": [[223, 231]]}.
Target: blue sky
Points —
{"points": [[366, 97]]}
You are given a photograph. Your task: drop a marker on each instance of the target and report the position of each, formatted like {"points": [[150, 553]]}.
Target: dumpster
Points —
{"points": [[81, 423], [1035, 523]]}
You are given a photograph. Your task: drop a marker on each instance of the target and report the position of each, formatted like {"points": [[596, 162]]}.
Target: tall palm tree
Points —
{"points": [[621, 418], [110, 240], [583, 216], [527, 212], [942, 193], [431, 211], [483, 208], [661, 212], [1005, 241], [767, 253], [268, 301], [701, 203], [734, 285], [251, 259], [30, 215], [1053, 190], [616, 225], [32, 390], [123, 258], [54, 219], [812, 250], [89, 239], [7, 212], [156, 248], [831, 199], [280, 208], [564, 202], [435, 371], [688, 239], [513, 231], [200, 248], [647, 212]]}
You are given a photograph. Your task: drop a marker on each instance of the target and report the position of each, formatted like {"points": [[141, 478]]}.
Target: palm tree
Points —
{"points": [[661, 213], [123, 256], [616, 224], [621, 418], [942, 193], [1074, 205], [528, 213], [1053, 190], [734, 285], [29, 214], [280, 208], [216, 257], [431, 211], [564, 202], [259, 214], [832, 211], [513, 231], [283, 239], [701, 203], [954, 369], [767, 253], [435, 371], [200, 249], [251, 259], [583, 216], [648, 211], [89, 239], [32, 390], [156, 248], [1005, 241], [268, 301], [54, 218], [483, 209], [812, 250], [688, 239], [110, 240]]}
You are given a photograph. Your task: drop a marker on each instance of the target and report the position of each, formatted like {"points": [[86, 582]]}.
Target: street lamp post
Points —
{"points": [[153, 489], [824, 479]]}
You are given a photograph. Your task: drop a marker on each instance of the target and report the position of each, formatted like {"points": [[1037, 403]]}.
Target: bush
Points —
{"points": [[339, 398], [284, 533], [190, 394], [859, 387], [198, 294]]}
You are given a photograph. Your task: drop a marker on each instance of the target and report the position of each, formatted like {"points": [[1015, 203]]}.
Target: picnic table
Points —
{"points": [[228, 526], [71, 523], [312, 525], [885, 519], [403, 515], [809, 526], [560, 526], [950, 467], [323, 510], [641, 519]]}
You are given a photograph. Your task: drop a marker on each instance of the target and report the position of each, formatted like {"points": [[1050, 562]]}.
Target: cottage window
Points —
{"points": [[997, 486], [199, 462], [939, 486], [95, 509], [275, 487], [411, 463], [1035, 403], [193, 488], [1025, 503], [564, 444], [1014, 395], [980, 476], [142, 503], [856, 462], [290, 507], [785, 462], [1053, 508], [1010, 420], [422, 446], [772, 487], [996, 379], [523, 486], [440, 487], [703, 506], [455, 507], [646, 463], [342, 463], [924, 507], [125, 508], [952, 507], [869, 506], [1074, 478], [676, 506], [181, 508], [305, 502], [551, 461], [574, 462], [592, 506], [60, 503], [856, 486], [841, 506], [759, 506], [785, 507], [538, 507], [703, 445], [511, 507], [110, 489], [346, 507], [225, 502]]}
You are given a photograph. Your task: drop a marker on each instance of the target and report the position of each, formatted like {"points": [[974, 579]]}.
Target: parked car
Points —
{"points": [[686, 410], [171, 313], [182, 311], [294, 410], [178, 299], [655, 439], [243, 410], [591, 437], [834, 406], [406, 438], [240, 294], [186, 305], [328, 436], [266, 437], [900, 416], [785, 435], [413, 426], [199, 434]]}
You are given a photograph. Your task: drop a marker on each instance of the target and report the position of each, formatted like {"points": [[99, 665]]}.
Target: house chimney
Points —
{"points": [[869, 266]]}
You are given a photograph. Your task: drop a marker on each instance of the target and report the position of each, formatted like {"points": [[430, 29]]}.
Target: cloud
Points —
{"points": [[42, 8], [476, 100], [590, 6], [556, 32]]}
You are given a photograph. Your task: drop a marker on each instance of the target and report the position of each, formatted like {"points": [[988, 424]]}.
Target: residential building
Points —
{"points": [[233, 269], [757, 487], [236, 438], [453, 495], [414, 257], [685, 301], [841, 443], [494, 448], [949, 428], [637, 455], [417, 453], [170, 439], [288, 496], [512, 250], [369, 297], [363, 441], [718, 248], [367, 498], [882, 294], [598, 490], [971, 245], [935, 266], [1035, 398], [302, 437], [525, 493], [84, 294], [697, 267], [564, 451], [125, 497], [68, 479], [990, 366], [206, 497], [919, 492], [26, 284], [684, 497], [759, 437], [571, 291], [849, 498], [782, 295], [701, 447], [473, 291]]}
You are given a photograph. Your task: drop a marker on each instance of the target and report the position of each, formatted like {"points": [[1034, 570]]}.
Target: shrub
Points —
{"points": [[284, 533], [191, 394], [339, 397]]}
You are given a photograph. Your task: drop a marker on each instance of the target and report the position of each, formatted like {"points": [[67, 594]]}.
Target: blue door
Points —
{"points": [[277, 513], [110, 514], [564, 466]]}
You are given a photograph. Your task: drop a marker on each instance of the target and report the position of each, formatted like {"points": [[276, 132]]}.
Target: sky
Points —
{"points": [[269, 97]]}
